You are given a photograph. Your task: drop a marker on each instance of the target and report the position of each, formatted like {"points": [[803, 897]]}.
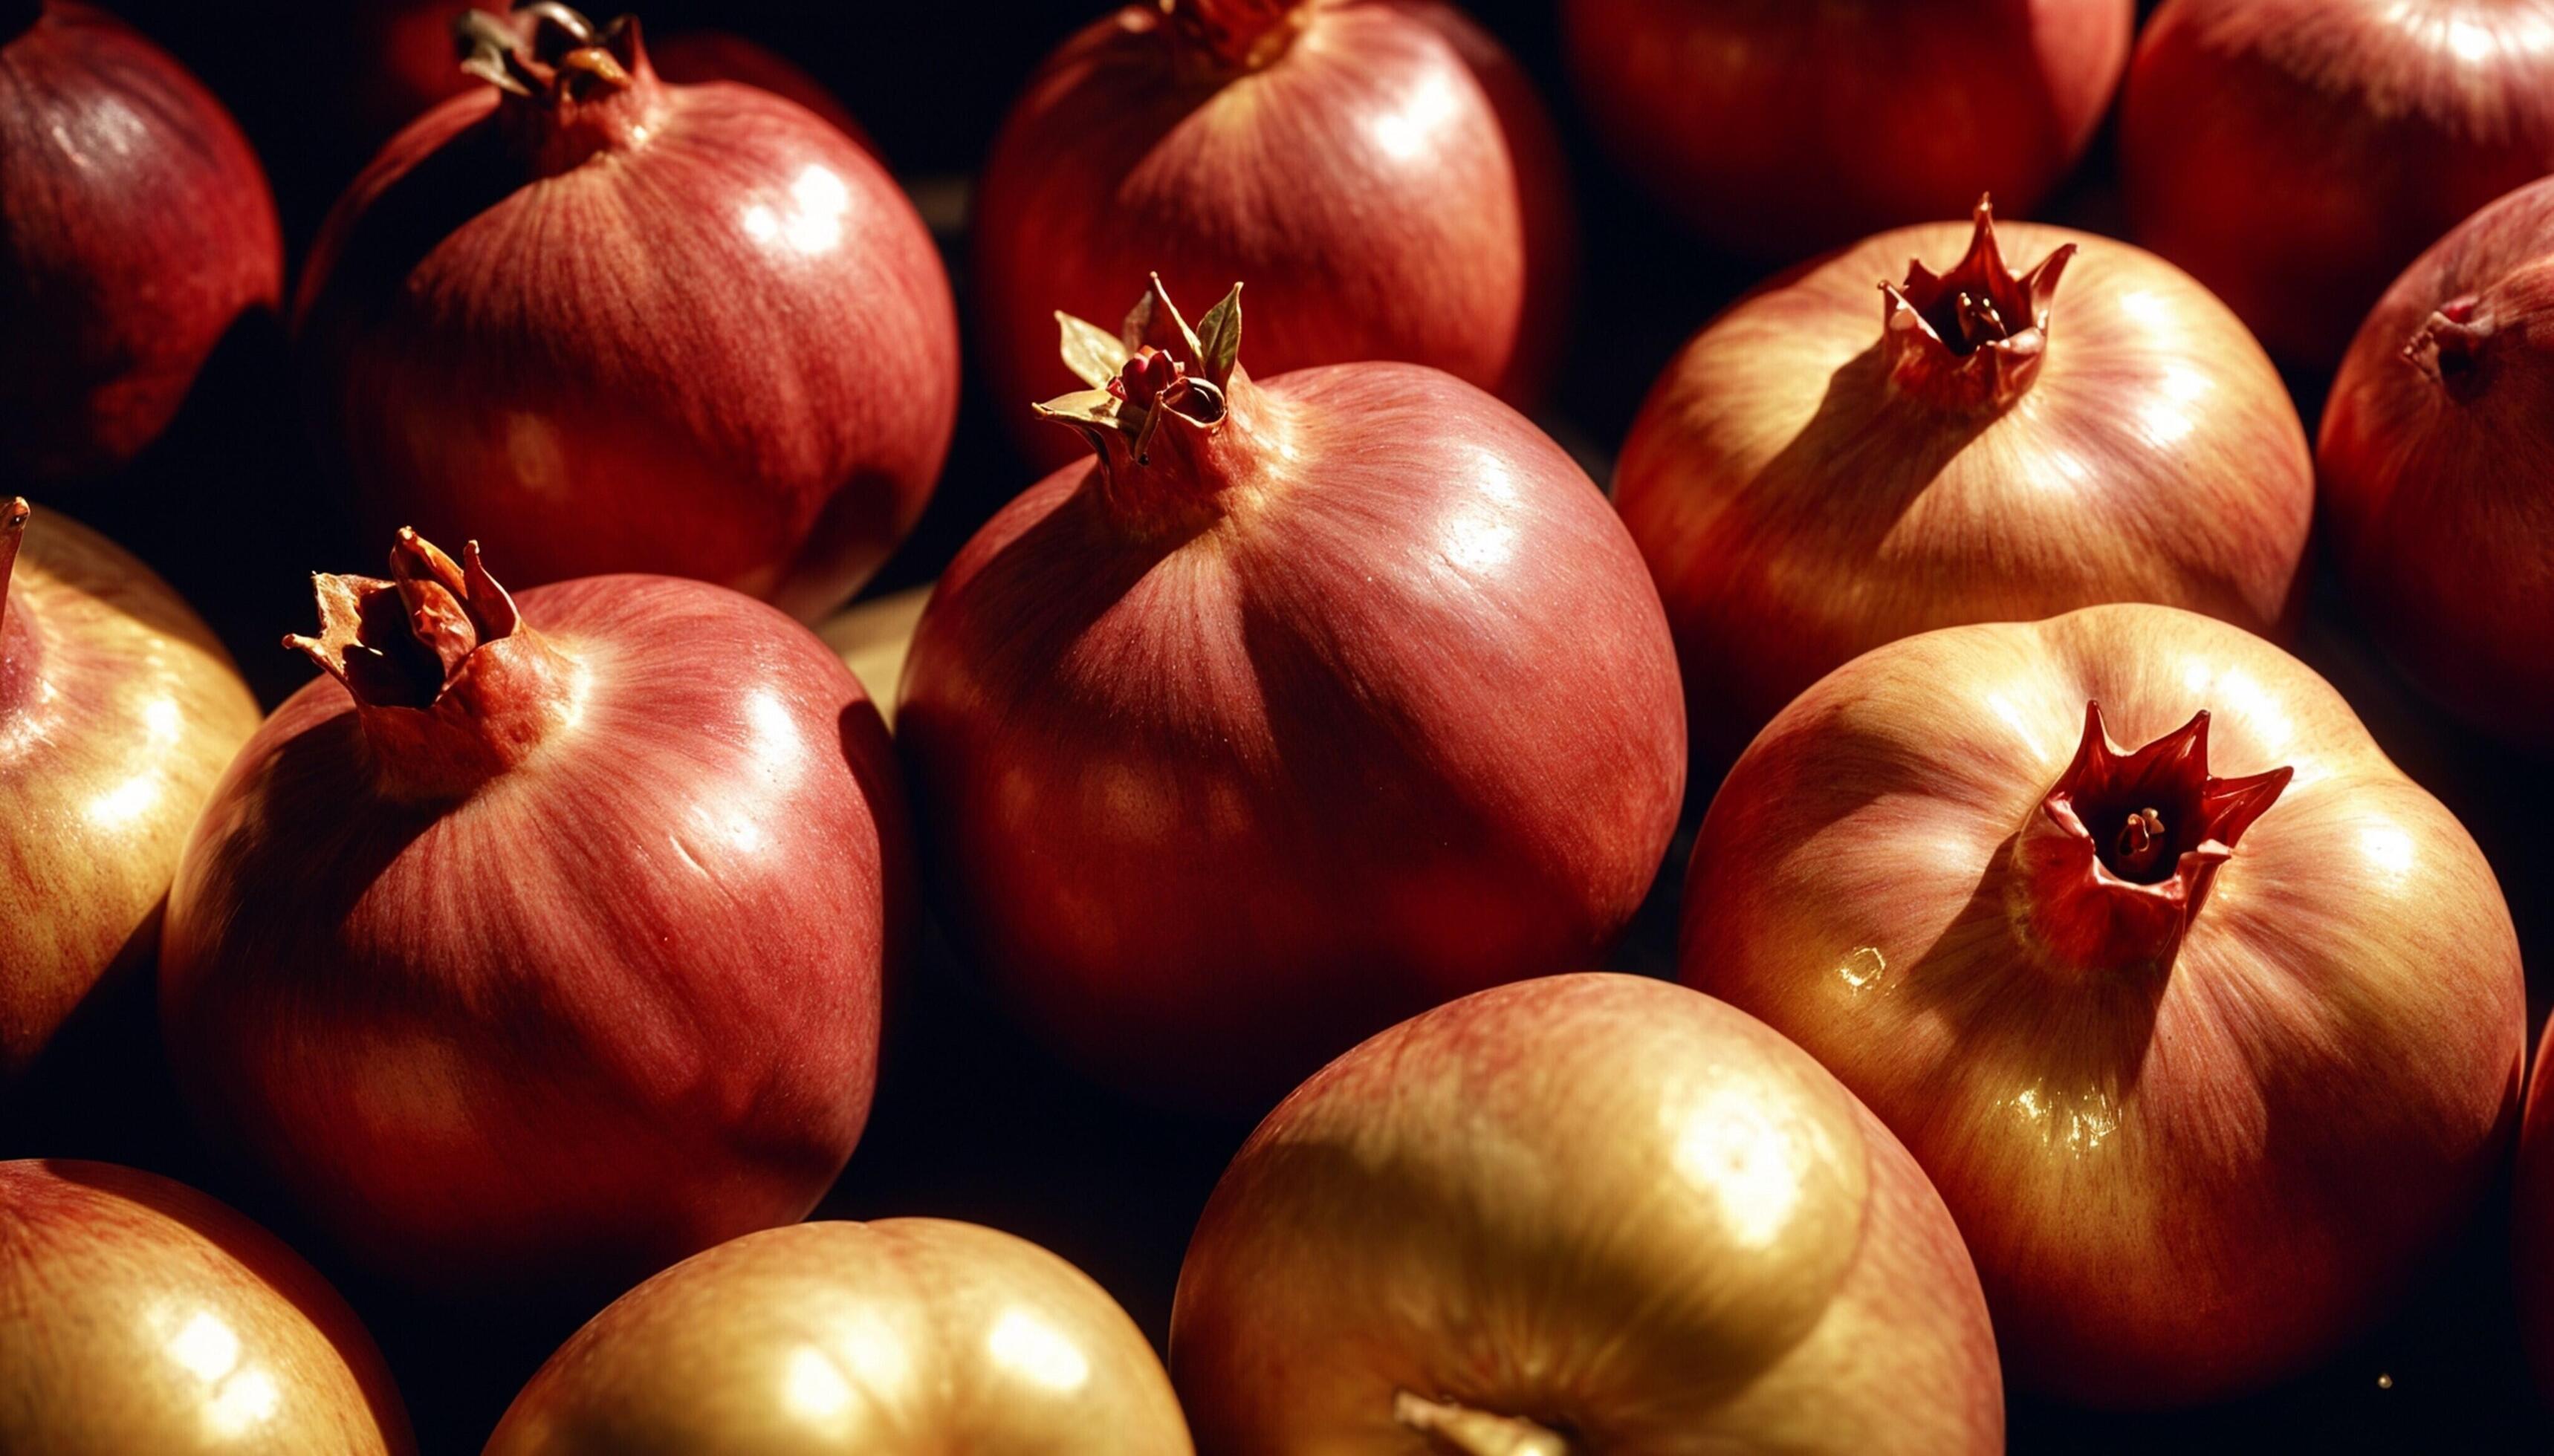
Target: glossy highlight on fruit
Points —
{"points": [[540, 943], [1579, 1216], [1381, 172], [2294, 155], [1868, 447], [118, 711], [2437, 466], [902, 1337], [2205, 1020], [135, 230], [1778, 129], [137, 1315], [630, 325], [1308, 704]]}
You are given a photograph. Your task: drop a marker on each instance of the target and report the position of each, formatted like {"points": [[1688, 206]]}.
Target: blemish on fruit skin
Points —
{"points": [[1863, 967]]}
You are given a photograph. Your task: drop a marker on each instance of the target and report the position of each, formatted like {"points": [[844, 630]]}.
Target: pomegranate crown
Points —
{"points": [[1970, 339], [541, 49], [2120, 853], [1236, 33], [399, 643], [1153, 366]]}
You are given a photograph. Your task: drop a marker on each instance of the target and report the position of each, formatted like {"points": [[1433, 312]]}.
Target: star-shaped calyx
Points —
{"points": [[453, 687], [1970, 340], [1168, 405], [2117, 857]]}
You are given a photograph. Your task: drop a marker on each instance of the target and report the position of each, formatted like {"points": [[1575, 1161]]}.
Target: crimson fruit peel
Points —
{"points": [[1956, 423], [541, 943], [2205, 1020], [1306, 705], [630, 325]]}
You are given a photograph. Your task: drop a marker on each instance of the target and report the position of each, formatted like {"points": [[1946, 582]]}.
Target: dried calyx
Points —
{"points": [[452, 686], [572, 87], [1971, 339], [544, 48], [1155, 377], [2118, 856], [1237, 35]]}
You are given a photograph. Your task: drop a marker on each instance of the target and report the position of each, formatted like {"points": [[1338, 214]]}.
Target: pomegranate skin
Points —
{"points": [[136, 229], [119, 710], [1801, 499], [687, 329], [138, 1315], [1776, 129], [1219, 775], [950, 1337], [609, 1006], [2437, 469], [1597, 1204], [2294, 155], [1390, 185], [2190, 1159]]}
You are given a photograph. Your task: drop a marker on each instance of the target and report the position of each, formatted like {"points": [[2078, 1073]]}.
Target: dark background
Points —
{"points": [[973, 1121]]}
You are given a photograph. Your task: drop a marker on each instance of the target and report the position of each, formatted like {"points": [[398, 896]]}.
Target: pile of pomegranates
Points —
{"points": [[1217, 954]]}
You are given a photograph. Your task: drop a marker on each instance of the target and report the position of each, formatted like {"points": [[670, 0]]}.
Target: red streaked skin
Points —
{"points": [[136, 229], [1775, 130], [2437, 466], [904, 1335], [559, 961], [1586, 1216], [137, 1315], [1353, 699], [2295, 155], [2202, 1111], [687, 329], [2532, 1222], [1820, 471], [1383, 174], [118, 711]]}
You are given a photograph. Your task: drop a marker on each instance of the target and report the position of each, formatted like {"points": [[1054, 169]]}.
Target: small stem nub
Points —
{"points": [[13, 530], [2451, 347], [1462, 1431], [1245, 34]]}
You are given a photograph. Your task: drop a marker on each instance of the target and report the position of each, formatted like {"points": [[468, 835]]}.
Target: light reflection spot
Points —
{"points": [[1862, 968], [1037, 1351], [812, 1387], [205, 1348], [125, 803], [1730, 1149], [2388, 847], [812, 223], [244, 1402], [1407, 134]]}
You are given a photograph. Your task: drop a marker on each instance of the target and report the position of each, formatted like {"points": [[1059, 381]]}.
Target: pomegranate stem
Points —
{"points": [[1468, 1432], [13, 530]]}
